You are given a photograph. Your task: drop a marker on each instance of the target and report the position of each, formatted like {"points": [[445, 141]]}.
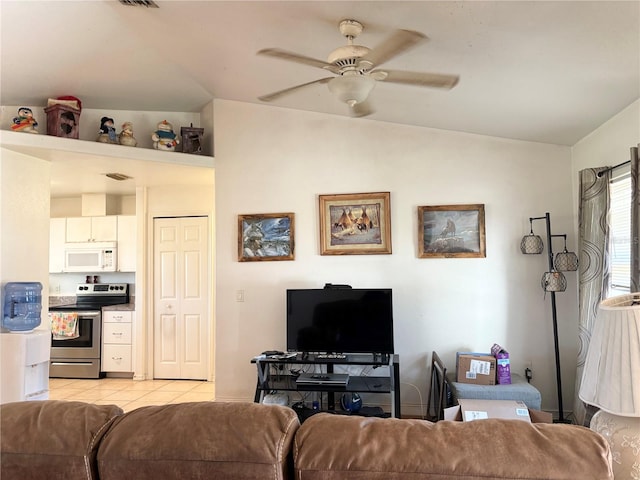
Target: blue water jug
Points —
{"points": [[22, 306]]}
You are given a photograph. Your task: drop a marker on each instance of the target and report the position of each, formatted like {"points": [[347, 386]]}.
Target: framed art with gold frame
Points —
{"points": [[451, 231], [266, 236], [355, 224]]}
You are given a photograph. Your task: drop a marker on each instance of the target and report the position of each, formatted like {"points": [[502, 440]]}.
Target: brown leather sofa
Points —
{"points": [[241, 441]]}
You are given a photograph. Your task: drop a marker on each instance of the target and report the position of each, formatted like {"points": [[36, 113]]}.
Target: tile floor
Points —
{"points": [[130, 394]]}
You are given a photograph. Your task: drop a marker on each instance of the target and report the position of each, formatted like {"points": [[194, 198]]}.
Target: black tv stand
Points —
{"points": [[275, 374]]}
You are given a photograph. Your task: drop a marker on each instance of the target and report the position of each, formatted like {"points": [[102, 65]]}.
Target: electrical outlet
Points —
{"points": [[528, 371]]}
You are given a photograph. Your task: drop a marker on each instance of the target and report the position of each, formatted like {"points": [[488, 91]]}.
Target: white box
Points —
{"points": [[276, 399]]}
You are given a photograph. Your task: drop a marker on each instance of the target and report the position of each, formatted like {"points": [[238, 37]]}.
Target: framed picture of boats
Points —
{"points": [[451, 231], [355, 224], [266, 236]]}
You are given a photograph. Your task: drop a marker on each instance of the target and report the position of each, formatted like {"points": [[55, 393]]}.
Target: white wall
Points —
{"points": [[24, 220], [24, 230], [609, 144], [270, 159]]}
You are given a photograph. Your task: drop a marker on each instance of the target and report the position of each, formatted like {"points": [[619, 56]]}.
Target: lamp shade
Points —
{"points": [[566, 261], [531, 244], [553, 282], [611, 375], [351, 89]]}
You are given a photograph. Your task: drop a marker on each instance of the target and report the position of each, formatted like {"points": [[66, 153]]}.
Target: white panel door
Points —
{"points": [[181, 291]]}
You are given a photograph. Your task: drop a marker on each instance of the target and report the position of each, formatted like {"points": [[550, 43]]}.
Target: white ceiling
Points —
{"points": [[531, 70]]}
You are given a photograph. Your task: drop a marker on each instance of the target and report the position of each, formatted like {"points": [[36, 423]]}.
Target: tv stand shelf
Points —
{"points": [[283, 381]]}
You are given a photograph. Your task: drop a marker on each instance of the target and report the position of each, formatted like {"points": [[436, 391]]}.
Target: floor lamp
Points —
{"points": [[552, 281]]}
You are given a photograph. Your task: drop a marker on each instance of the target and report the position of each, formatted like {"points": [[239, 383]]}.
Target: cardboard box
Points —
{"points": [[476, 368], [470, 410], [503, 365]]}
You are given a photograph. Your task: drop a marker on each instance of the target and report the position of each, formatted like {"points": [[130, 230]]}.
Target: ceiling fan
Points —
{"points": [[354, 67]]}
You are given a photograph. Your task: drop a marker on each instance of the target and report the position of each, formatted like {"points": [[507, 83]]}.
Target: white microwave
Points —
{"points": [[91, 257]]}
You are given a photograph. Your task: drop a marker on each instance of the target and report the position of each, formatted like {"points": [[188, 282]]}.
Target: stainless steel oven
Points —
{"points": [[80, 356]]}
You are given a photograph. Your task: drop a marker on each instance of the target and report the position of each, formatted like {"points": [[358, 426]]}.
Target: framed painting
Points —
{"points": [[451, 231], [355, 224], [265, 236]]}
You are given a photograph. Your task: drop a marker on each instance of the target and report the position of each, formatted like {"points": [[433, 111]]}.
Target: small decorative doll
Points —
{"points": [[107, 132], [164, 138], [24, 122], [126, 135]]}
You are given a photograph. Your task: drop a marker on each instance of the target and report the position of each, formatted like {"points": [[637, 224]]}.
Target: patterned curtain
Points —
{"points": [[593, 251], [635, 220]]}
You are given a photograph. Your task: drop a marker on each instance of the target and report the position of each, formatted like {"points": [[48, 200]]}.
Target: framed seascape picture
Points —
{"points": [[265, 236], [451, 231], [355, 224]]}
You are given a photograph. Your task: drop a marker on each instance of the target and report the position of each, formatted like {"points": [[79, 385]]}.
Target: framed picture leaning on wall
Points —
{"points": [[266, 236], [451, 231], [355, 224]]}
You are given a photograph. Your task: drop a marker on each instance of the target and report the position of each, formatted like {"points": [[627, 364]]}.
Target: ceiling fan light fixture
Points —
{"points": [[351, 89], [347, 54]]}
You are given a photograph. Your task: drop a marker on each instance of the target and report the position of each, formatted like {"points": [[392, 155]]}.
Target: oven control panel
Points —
{"points": [[102, 288]]}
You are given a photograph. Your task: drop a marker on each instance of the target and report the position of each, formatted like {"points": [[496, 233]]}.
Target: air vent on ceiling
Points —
{"points": [[140, 3], [118, 176]]}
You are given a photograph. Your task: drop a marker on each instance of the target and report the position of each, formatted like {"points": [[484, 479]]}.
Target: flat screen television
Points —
{"points": [[340, 320]]}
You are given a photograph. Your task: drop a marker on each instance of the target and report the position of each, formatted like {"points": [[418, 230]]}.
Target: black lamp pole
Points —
{"points": [[554, 316]]}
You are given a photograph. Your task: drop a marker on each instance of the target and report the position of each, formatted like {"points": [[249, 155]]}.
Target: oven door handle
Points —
{"points": [[66, 364]]}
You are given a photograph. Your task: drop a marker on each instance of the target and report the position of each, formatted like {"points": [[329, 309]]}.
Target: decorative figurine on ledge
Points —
{"points": [[126, 135], [24, 122], [192, 139], [164, 138], [107, 132]]}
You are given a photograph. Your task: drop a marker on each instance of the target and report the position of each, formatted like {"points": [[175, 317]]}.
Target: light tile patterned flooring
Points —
{"points": [[130, 394]]}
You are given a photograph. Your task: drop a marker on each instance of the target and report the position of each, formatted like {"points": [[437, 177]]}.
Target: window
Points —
{"points": [[620, 236]]}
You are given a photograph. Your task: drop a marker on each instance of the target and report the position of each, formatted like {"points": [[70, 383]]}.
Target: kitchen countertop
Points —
{"points": [[124, 307]]}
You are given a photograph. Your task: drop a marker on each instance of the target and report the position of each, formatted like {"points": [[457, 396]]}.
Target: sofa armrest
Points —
{"points": [[332, 447], [52, 439]]}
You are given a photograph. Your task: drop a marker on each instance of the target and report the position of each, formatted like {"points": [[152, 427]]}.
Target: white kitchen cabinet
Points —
{"points": [[92, 229], [57, 238], [127, 238], [117, 341]]}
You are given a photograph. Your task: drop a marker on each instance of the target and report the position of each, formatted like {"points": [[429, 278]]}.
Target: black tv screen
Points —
{"points": [[340, 320]]}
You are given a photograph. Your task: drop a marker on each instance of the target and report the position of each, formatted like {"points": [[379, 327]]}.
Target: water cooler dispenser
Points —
{"points": [[22, 306], [24, 349]]}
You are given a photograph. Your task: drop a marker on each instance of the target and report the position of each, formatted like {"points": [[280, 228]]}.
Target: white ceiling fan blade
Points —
{"points": [[399, 42], [361, 109], [294, 57], [278, 94], [420, 79]]}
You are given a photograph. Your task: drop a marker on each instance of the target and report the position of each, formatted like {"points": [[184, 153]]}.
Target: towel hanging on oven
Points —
{"points": [[64, 325]]}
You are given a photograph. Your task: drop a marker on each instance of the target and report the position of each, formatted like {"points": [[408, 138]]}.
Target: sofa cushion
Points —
{"points": [[52, 439], [331, 447], [200, 440]]}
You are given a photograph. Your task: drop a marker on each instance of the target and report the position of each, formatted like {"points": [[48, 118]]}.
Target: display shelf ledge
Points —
{"points": [[48, 147]]}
